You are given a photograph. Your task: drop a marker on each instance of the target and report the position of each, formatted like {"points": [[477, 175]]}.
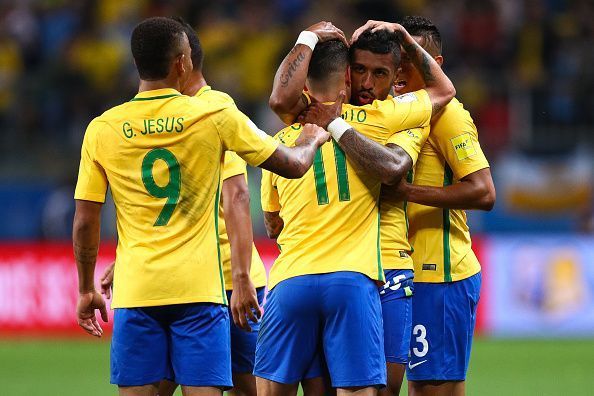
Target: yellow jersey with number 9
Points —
{"points": [[440, 237], [330, 215], [161, 156]]}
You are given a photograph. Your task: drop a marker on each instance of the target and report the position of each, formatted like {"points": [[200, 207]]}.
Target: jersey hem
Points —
{"points": [[90, 197], [455, 278], [168, 301]]}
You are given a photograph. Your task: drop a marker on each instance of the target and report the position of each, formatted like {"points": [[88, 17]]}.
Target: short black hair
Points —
{"points": [[195, 46], [378, 42], [328, 58], [423, 27], [155, 42]]}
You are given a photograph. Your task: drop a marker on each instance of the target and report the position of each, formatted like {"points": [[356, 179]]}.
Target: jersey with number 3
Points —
{"points": [[161, 156], [330, 215]]}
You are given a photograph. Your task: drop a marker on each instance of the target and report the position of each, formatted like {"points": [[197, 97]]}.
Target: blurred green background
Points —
{"points": [[498, 367]]}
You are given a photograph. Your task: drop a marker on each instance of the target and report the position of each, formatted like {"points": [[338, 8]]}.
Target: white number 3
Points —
{"points": [[420, 334]]}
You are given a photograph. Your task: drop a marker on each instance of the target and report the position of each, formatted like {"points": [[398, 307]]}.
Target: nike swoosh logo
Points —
{"points": [[412, 366]]}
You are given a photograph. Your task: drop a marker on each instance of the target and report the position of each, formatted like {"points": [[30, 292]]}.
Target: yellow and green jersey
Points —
{"points": [[233, 166], [395, 246], [161, 156], [331, 217], [440, 237]]}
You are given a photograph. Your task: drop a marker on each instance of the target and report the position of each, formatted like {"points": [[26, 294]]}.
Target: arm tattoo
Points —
{"points": [[387, 164], [286, 77], [85, 255], [422, 61], [292, 162], [274, 224]]}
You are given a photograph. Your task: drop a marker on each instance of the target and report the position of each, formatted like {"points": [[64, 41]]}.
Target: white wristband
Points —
{"points": [[308, 38], [337, 127]]}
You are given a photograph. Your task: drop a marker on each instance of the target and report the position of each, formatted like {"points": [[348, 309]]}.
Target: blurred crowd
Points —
{"points": [[516, 64], [522, 67]]}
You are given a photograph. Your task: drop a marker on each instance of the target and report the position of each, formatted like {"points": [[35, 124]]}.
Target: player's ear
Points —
{"points": [[439, 60], [347, 76]]}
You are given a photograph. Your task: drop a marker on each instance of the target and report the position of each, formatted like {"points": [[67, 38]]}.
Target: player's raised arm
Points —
{"points": [[85, 238], [287, 99], [439, 87], [389, 165]]}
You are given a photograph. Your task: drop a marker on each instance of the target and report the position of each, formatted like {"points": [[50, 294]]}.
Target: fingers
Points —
{"points": [[103, 312], [370, 24], [91, 326], [341, 36]]}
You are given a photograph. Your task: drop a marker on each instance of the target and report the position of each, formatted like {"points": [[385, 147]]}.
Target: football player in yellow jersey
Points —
{"points": [[328, 226], [160, 154], [372, 73], [236, 244], [452, 174]]}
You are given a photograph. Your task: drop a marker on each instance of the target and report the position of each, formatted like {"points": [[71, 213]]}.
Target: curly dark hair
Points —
{"points": [[423, 27], [379, 42], [155, 42]]}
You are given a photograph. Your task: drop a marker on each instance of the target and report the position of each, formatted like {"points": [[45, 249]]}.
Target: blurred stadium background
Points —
{"points": [[522, 67]]}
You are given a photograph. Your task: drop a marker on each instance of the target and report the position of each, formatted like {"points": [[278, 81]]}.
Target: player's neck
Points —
{"points": [[196, 82], [146, 85]]}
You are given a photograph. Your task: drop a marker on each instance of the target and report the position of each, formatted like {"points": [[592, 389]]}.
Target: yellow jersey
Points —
{"points": [[395, 246], [233, 166], [440, 237], [161, 156], [331, 217]]}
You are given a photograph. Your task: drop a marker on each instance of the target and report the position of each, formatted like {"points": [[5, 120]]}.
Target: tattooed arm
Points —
{"points": [[85, 238], [287, 99], [437, 84], [388, 163], [273, 223], [293, 162]]}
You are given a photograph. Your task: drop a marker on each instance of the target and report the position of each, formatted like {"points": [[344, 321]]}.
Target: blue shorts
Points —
{"points": [[396, 298], [190, 341], [335, 315], [444, 315], [243, 344]]}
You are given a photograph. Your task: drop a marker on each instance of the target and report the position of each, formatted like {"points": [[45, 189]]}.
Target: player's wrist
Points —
{"points": [[337, 128], [308, 38]]}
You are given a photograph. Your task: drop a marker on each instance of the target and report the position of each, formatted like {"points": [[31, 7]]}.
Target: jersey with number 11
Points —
{"points": [[161, 155]]}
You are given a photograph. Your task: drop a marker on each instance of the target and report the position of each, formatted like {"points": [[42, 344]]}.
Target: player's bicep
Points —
{"points": [[239, 134], [91, 184], [411, 141], [462, 152]]}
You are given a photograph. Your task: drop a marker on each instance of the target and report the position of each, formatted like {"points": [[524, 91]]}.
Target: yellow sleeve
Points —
{"points": [[456, 137], [408, 111], [92, 181], [233, 166], [411, 141], [269, 193], [238, 133]]}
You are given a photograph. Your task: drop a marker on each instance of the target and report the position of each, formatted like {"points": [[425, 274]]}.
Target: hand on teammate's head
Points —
{"points": [[326, 31], [374, 26]]}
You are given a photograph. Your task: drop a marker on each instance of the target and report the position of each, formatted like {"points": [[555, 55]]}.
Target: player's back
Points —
{"points": [[330, 216], [161, 155]]}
